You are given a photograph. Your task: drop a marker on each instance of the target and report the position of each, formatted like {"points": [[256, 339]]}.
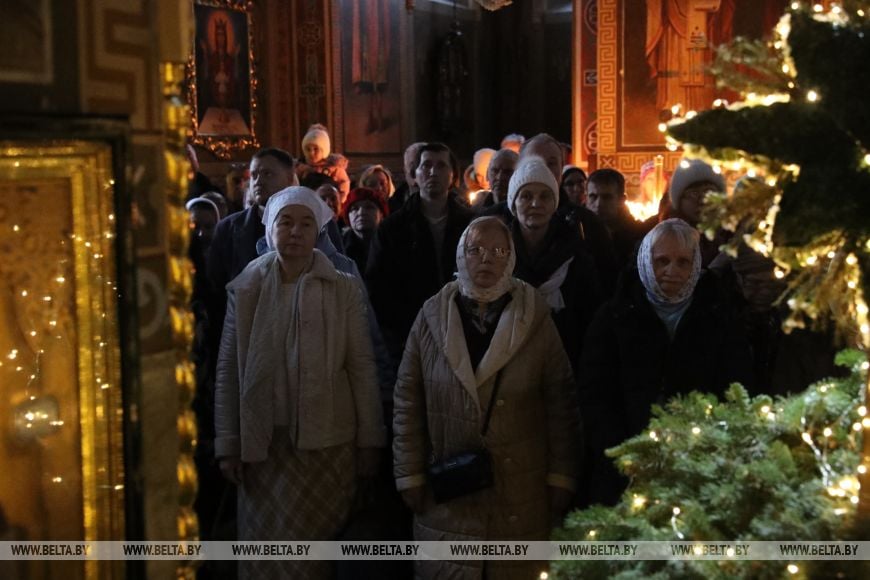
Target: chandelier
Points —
{"points": [[493, 5]]}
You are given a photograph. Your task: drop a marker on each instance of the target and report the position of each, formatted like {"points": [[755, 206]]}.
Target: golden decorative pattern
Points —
{"points": [[118, 60], [85, 317], [610, 154], [180, 289], [608, 69]]}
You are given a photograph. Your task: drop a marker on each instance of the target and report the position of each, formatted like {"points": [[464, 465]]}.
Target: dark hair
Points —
{"points": [[314, 179], [436, 147], [280, 155], [608, 176]]}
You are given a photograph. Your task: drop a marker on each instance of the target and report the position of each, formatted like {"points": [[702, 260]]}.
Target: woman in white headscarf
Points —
{"points": [[297, 412], [667, 331], [485, 345]]}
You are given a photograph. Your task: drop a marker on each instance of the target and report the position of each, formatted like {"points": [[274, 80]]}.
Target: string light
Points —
{"points": [[812, 96]]}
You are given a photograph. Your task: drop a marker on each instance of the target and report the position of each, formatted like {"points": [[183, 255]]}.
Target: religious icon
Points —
{"points": [[222, 82]]}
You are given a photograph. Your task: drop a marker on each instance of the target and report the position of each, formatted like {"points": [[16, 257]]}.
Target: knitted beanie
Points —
{"points": [[358, 194], [696, 171], [531, 169], [317, 134]]}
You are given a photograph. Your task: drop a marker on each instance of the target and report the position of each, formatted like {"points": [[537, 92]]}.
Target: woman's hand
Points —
{"points": [[414, 498], [367, 461], [231, 467]]}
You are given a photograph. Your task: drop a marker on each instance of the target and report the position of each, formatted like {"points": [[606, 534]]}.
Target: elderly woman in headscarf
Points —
{"points": [[484, 371], [668, 330], [297, 414]]}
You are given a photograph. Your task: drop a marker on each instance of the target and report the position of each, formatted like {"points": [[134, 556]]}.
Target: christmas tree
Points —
{"points": [[758, 469], [802, 133], [737, 470]]}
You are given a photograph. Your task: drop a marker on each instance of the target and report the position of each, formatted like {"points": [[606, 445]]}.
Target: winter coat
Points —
{"points": [[356, 248], [440, 403], [338, 395], [402, 271], [581, 289], [334, 166], [599, 242], [629, 364]]}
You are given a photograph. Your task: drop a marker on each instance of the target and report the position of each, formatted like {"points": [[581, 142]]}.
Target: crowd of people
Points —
{"points": [[450, 357]]}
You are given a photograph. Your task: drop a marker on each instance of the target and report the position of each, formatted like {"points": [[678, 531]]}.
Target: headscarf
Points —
{"points": [[203, 201], [668, 309], [378, 167], [531, 169], [294, 195], [466, 285], [317, 134]]}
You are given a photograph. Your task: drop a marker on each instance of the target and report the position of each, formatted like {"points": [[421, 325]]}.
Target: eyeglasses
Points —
{"points": [[697, 194], [494, 253]]}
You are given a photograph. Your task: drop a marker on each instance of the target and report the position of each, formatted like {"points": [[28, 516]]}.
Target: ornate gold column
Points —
{"points": [[176, 122]]}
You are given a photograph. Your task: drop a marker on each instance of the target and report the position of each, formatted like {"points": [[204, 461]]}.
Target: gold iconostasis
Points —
{"points": [[61, 409]]}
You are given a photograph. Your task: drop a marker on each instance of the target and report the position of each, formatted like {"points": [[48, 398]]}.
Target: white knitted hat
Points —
{"points": [[530, 169], [317, 134], [696, 172]]}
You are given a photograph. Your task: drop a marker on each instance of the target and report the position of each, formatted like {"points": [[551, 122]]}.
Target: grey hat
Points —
{"points": [[696, 172]]}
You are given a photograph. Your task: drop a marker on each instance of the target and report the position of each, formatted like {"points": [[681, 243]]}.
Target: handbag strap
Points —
{"points": [[491, 401]]}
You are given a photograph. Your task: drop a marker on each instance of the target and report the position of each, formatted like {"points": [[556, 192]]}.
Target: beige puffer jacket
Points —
{"points": [[339, 399], [440, 403]]}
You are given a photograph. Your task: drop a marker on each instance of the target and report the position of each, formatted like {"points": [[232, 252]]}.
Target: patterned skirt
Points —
{"points": [[295, 494]]}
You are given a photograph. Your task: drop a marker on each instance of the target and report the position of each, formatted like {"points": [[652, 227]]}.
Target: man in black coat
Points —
{"points": [[413, 253], [605, 196]]}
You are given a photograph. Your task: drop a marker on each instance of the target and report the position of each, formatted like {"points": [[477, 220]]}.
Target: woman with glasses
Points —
{"points": [[550, 253], [484, 381]]}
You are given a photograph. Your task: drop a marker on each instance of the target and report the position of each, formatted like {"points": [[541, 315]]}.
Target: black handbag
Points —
{"points": [[467, 472]]}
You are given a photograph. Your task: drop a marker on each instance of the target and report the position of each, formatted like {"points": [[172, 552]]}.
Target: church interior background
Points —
{"points": [[97, 105]]}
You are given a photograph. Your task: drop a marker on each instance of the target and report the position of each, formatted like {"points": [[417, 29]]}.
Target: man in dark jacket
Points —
{"points": [[413, 253], [605, 196]]}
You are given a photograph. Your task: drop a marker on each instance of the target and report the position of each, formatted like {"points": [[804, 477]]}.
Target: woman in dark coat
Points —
{"points": [[667, 331], [551, 255]]}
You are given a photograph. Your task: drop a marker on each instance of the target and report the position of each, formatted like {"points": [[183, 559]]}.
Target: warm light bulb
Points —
{"points": [[676, 511], [812, 96], [696, 430], [792, 569], [827, 432]]}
